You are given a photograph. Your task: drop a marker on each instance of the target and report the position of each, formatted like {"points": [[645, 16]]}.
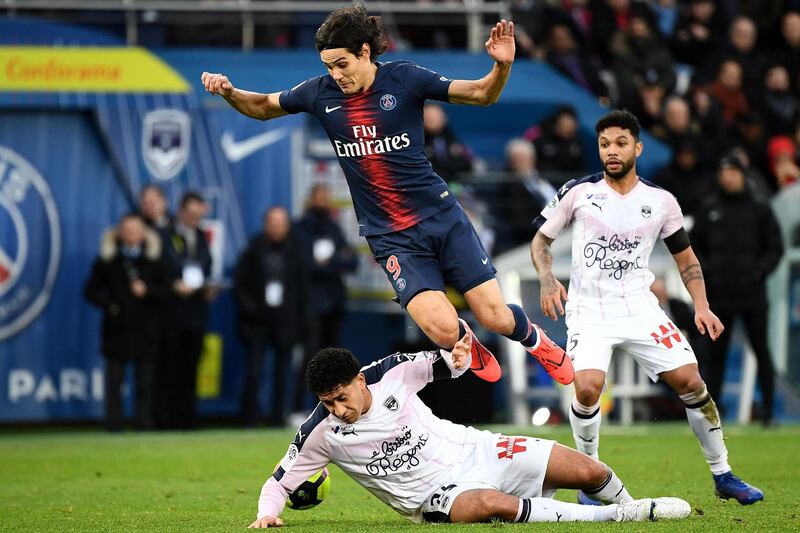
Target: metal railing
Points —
{"points": [[473, 10]]}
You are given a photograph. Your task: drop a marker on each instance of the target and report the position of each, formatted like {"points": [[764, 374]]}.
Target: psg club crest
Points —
{"points": [[166, 138], [30, 243], [388, 102]]}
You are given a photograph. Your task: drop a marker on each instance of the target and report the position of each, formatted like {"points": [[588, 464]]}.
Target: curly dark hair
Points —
{"points": [[620, 118], [331, 368], [351, 27]]}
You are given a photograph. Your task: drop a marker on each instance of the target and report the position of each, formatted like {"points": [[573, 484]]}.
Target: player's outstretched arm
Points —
{"points": [[551, 291], [692, 277], [254, 105], [486, 90], [265, 522]]}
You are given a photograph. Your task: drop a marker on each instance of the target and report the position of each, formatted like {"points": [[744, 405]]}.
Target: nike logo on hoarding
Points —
{"points": [[329, 109], [238, 150]]}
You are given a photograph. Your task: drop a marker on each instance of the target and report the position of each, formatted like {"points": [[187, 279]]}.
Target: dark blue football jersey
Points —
{"points": [[380, 142]]}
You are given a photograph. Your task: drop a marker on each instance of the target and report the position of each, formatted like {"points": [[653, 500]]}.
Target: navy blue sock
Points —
{"points": [[520, 333]]}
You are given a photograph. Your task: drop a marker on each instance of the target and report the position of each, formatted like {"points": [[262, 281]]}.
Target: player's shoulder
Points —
{"points": [[375, 371], [657, 190], [577, 183], [317, 418], [650, 184], [404, 69], [317, 83], [400, 64]]}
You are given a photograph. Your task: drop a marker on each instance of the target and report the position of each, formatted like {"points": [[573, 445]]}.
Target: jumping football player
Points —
{"points": [[617, 219], [416, 230], [371, 424]]}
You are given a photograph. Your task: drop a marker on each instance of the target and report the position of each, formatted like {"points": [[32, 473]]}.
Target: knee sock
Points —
{"points": [[524, 332], [612, 490], [585, 422], [705, 422], [549, 510]]}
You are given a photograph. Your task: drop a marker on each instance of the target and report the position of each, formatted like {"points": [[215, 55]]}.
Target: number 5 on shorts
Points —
{"points": [[393, 267]]}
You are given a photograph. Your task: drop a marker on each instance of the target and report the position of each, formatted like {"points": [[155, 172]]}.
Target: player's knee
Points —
{"points": [[689, 383], [492, 503], [495, 317], [443, 331], [587, 393], [595, 474]]}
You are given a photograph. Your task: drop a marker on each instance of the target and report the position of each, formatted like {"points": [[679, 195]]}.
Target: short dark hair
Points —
{"points": [[191, 196], [351, 27], [620, 118], [331, 368], [730, 159]]}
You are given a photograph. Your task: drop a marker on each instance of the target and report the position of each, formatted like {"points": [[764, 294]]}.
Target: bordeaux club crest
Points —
{"points": [[30, 243], [166, 138]]}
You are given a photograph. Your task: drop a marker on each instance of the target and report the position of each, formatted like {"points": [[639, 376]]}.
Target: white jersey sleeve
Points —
{"points": [[558, 212], [673, 219], [417, 369], [307, 454]]}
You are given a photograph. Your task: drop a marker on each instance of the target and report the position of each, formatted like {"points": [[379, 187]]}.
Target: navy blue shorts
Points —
{"points": [[442, 249]]}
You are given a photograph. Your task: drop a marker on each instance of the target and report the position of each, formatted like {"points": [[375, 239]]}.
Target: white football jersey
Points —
{"points": [[612, 239], [398, 450]]}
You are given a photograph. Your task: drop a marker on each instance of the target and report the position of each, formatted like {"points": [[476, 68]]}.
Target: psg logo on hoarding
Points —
{"points": [[30, 243], [166, 137]]}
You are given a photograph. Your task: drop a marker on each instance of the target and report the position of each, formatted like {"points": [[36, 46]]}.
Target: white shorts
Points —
{"points": [[513, 465], [652, 339]]}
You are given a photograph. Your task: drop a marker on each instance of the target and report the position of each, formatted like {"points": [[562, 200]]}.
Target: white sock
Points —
{"points": [[612, 490], [585, 422], [549, 510], [703, 416]]}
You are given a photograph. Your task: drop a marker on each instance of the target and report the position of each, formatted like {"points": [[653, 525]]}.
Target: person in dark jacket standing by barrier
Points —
{"points": [[738, 242], [271, 282], [185, 315], [128, 283], [329, 258]]}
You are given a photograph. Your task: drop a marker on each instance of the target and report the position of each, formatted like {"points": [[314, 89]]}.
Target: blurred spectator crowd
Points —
{"points": [[710, 79], [717, 81], [152, 282]]}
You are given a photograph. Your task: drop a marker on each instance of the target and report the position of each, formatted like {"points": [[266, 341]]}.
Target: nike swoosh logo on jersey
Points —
{"points": [[330, 109], [238, 150], [485, 260]]}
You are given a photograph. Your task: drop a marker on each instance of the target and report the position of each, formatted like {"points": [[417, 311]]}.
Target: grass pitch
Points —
{"points": [[210, 481]]}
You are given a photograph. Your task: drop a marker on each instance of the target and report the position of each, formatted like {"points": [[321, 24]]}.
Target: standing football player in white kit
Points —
{"points": [[372, 425], [616, 218]]}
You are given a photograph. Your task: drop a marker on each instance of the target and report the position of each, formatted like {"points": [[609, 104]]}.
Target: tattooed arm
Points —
{"points": [[551, 291], [692, 277]]}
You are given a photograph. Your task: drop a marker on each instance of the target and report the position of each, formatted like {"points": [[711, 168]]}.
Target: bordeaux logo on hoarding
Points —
{"points": [[30, 243], [166, 138]]}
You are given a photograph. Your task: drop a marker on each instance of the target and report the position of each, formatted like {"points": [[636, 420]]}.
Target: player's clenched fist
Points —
{"points": [[461, 351], [216, 83]]}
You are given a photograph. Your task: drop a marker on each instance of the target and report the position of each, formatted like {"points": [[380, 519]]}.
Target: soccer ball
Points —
{"points": [[311, 492]]}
